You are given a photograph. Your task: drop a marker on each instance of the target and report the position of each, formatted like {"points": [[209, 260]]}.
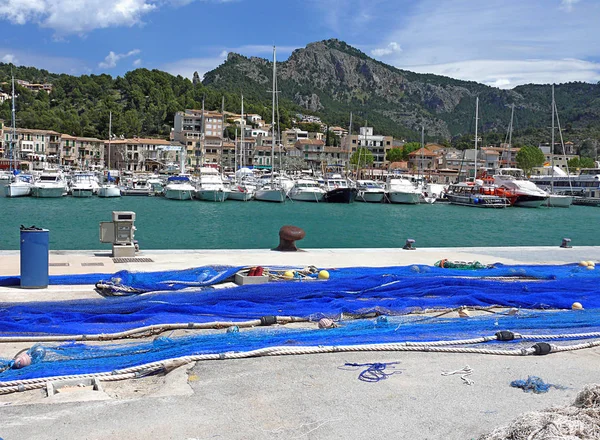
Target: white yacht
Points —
{"points": [[51, 184], [210, 186], [400, 190], [84, 185], [242, 191], [369, 191], [270, 193], [20, 186], [179, 188], [526, 193], [306, 190]]}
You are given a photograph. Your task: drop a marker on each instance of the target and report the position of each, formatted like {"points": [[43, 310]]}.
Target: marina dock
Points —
{"points": [[306, 396]]}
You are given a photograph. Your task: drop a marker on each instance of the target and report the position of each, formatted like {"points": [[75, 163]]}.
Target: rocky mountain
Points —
{"points": [[331, 79]]}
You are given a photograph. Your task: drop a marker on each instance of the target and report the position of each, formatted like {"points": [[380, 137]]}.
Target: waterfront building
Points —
{"points": [[422, 160], [189, 128], [32, 147], [290, 136], [142, 154], [311, 150], [3, 152], [78, 152], [379, 145]]}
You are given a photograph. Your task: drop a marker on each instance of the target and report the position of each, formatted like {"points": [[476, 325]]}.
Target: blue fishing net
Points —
{"points": [[350, 291], [80, 358]]}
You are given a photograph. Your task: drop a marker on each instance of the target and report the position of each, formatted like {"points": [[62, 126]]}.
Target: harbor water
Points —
{"points": [[169, 224]]}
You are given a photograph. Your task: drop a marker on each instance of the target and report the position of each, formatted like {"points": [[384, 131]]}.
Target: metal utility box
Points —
{"points": [[34, 257], [120, 233]]}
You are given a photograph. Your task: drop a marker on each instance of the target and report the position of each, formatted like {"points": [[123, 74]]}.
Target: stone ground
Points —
{"points": [[296, 397]]}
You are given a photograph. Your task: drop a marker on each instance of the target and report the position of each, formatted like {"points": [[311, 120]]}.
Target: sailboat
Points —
{"points": [[240, 190], [19, 185], [108, 188], [272, 191], [557, 200]]}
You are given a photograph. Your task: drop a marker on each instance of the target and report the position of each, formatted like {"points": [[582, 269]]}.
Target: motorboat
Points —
{"points": [[270, 192], [474, 195], [20, 186], [369, 191], [306, 190], [527, 193], [137, 187], [51, 184], [84, 185], [210, 186], [178, 188], [401, 190]]}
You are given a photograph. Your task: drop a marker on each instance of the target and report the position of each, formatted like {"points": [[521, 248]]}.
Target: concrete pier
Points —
{"points": [[295, 397]]}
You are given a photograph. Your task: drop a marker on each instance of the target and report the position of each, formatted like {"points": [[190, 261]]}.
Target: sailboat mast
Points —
{"points": [[235, 157], [348, 145], [421, 169], [552, 144], [14, 128], [222, 130], [273, 117], [202, 135], [242, 146], [510, 129], [476, 122], [109, 138]]}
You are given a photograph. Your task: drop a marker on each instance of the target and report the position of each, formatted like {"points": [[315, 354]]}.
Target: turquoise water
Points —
{"points": [[170, 224]]}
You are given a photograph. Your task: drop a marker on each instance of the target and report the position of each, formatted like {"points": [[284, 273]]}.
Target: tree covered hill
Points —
{"points": [[329, 79]]}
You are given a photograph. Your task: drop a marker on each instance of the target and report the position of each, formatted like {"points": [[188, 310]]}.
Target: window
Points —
{"points": [[354, 141]]}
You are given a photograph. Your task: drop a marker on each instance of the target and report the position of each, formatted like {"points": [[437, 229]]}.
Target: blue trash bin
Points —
{"points": [[34, 257]]}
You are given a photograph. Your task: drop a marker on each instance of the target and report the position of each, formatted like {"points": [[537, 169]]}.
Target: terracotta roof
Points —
{"points": [[310, 142], [422, 152], [399, 165], [434, 147]]}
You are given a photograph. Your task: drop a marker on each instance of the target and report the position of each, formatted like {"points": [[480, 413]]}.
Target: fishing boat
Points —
{"points": [[338, 189], [475, 195], [306, 190]]}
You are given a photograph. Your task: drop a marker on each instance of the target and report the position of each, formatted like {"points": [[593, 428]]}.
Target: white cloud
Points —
{"points": [[112, 58], [42, 60], [9, 58], [188, 66], [567, 5], [137, 62], [82, 16], [391, 48], [510, 73]]}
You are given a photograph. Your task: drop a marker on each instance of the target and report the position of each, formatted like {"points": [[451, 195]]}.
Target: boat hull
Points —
{"points": [[82, 192], [340, 195], [178, 194], [211, 195], [559, 201], [403, 197], [370, 197], [47, 192], [270, 195], [109, 191], [529, 201], [240, 196], [305, 196], [477, 202], [12, 190]]}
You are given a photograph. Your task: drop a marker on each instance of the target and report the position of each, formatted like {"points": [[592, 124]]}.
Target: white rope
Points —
{"points": [[464, 373]]}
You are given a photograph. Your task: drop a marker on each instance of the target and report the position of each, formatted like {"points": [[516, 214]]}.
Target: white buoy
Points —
{"points": [[577, 306]]}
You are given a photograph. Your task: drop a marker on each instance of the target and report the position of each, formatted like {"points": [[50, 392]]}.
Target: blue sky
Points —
{"points": [[498, 42]]}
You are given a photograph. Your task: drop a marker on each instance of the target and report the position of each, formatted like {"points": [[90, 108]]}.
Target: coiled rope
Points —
{"points": [[168, 364]]}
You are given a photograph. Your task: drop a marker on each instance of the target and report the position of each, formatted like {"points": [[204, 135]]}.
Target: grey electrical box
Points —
{"points": [[120, 233]]}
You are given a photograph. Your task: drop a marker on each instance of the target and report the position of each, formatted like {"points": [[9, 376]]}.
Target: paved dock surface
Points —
{"points": [[296, 397]]}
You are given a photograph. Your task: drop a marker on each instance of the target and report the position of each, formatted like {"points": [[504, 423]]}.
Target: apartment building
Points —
{"points": [[79, 152], [379, 145], [142, 154]]}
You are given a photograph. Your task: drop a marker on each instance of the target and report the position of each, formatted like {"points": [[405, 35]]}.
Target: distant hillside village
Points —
{"points": [[204, 138]]}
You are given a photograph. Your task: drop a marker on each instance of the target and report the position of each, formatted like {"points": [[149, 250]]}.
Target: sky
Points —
{"points": [[502, 43]]}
